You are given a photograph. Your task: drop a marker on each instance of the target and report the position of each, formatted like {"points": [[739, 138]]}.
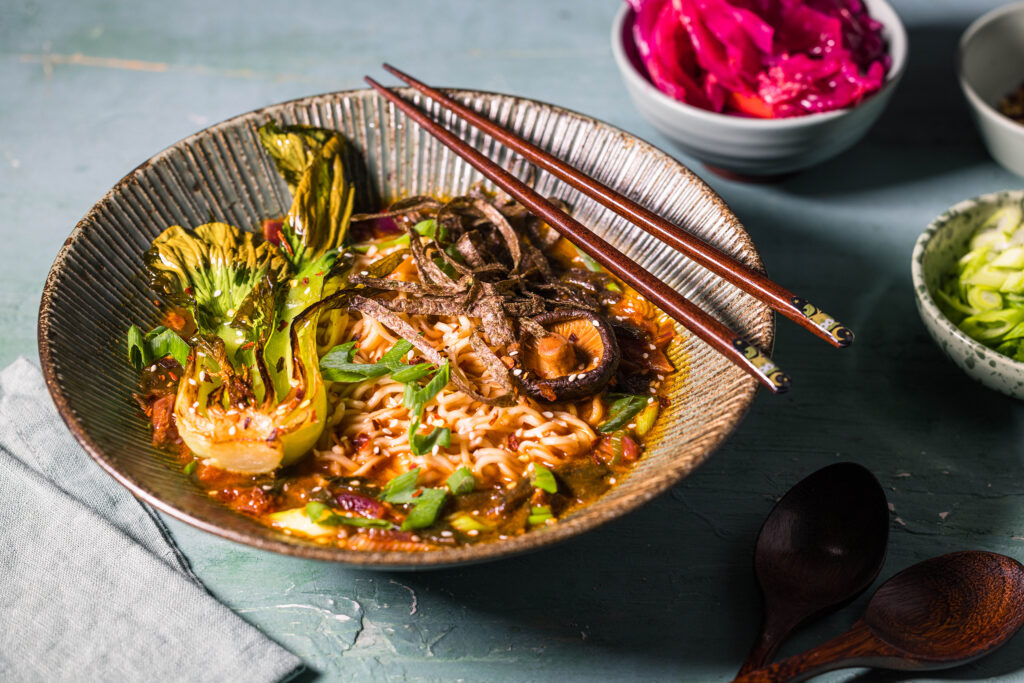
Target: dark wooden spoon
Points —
{"points": [[937, 614], [822, 545]]}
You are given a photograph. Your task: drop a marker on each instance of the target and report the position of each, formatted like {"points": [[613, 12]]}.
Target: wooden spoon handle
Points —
{"points": [[775, 628], [856, 647]]}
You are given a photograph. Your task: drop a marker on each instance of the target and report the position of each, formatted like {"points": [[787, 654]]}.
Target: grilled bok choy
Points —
{"points": [[251, 398]]}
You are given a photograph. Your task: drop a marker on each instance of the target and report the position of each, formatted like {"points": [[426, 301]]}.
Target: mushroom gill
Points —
{"points": [[576, 358]]}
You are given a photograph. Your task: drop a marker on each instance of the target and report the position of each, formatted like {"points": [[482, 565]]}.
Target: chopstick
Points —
{"points": [[741, 352], [749, 280]]}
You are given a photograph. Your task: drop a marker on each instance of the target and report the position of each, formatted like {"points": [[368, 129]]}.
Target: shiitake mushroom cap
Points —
{"points": [[586, 331]]}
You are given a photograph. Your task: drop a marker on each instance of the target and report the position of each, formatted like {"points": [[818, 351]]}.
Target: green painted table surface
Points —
{"points": [[91, 88]]}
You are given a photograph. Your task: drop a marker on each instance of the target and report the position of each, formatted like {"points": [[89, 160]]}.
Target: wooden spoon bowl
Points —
{"points": [[822, 545], [940, 613], [952, 608]]}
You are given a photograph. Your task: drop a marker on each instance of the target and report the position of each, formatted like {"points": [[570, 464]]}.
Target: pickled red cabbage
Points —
{"points": [[762, 58]]}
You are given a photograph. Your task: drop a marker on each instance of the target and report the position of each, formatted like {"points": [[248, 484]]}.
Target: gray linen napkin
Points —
{"points": [[91, 585]]}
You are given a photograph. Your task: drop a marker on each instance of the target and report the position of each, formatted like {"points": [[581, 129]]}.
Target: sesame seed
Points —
{"points": [[611, 480], [646, 355], [216, 292], [376, 450], [473, 532], [517, 372], [661, 377], [503, 537], [304, 404], [650, 400], [652, 347], [191, 381], [416, 539], [632, 425], [548, 414], [435, 450], [231, 313], [524, 458], [232, 430], [266, 487], [572, 378], [317, 488], [595, 323], [446, 534], [513, 353], [365, 272], [653, 390]]}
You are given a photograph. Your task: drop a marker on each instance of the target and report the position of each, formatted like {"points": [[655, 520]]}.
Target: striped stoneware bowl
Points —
{"points": [[97, 288]]}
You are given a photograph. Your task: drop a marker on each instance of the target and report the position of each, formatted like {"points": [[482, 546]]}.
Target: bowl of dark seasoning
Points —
{"points": [[990, 67]]}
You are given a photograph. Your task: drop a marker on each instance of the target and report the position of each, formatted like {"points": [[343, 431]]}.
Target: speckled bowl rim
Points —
{"points": [[662, 480], [924, 296], [975, 100], [626, 66]]}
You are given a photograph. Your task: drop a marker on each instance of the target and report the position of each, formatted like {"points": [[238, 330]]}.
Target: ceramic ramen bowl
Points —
{"points": [[97, 288]]}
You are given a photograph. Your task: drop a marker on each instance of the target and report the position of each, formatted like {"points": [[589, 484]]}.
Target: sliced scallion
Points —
{"points": [[622, 411], [543, 479], [319, 513], [426, 506], [539, 514], [400, 488], [461, 481]]}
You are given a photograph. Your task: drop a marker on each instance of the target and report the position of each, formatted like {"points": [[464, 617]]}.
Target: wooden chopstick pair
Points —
{"points": [[719, 336]]}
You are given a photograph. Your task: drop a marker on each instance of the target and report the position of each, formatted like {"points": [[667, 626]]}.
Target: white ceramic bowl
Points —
{"points": [[757, 147], [989, 66], [942, 243]]}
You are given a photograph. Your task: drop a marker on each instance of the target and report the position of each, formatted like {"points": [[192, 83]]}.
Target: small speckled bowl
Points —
{"points": [[937, 250], [97, 288]]}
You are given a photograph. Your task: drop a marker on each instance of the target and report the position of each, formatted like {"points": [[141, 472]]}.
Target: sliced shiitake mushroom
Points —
{"points": [[576, 358]]}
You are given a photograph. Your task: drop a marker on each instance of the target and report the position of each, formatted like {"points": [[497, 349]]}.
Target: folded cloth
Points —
{"points": [[92, 586]]}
